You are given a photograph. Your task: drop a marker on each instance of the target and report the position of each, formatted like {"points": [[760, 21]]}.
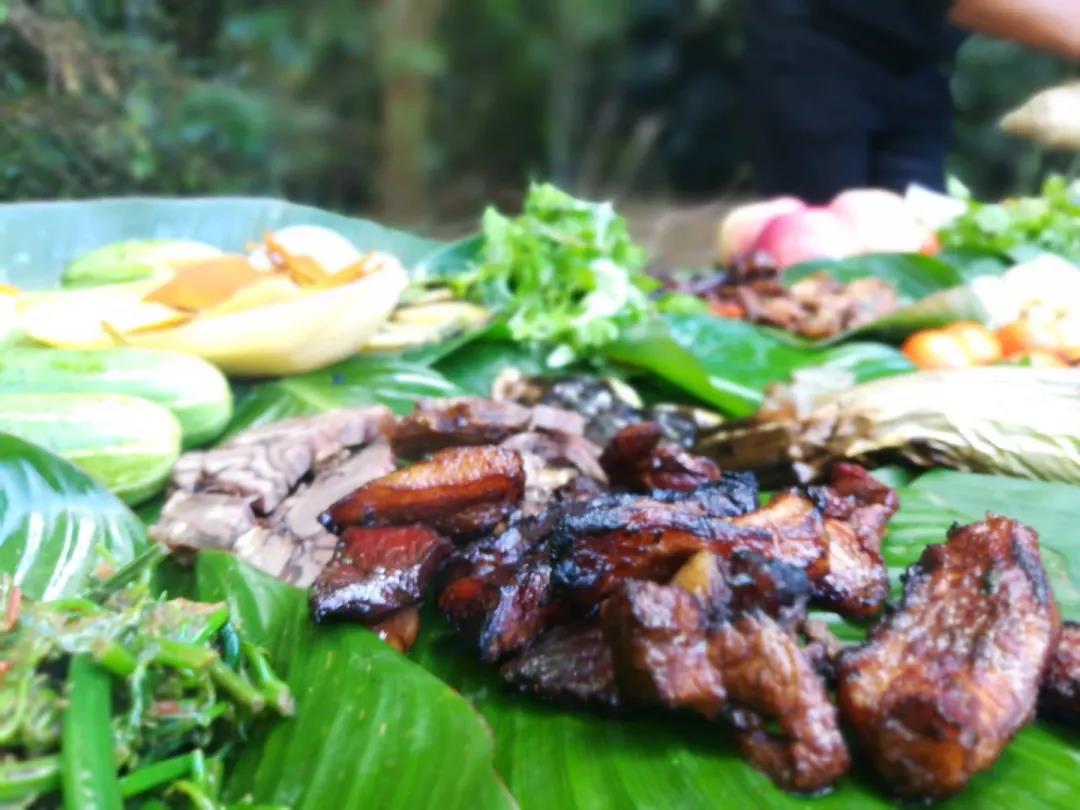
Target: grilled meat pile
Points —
{"points": [[815, 307], [631, 572]]}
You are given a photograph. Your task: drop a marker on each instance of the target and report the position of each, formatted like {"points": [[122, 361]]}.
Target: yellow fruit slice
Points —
{"points": [[72, 319], [309, 331], [270, 290]]}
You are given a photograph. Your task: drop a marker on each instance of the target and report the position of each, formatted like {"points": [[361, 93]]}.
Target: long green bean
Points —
{"points": [[88, 761]]}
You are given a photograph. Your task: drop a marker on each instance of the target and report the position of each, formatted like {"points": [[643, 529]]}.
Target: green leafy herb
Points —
{"points": [[565, 272], [1021, 227]]}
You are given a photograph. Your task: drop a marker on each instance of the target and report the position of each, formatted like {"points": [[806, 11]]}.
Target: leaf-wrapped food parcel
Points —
{"points": [[1017, 421]]}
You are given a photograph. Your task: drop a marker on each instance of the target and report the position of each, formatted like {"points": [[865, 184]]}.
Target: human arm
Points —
{"points": [[1049, 25]]}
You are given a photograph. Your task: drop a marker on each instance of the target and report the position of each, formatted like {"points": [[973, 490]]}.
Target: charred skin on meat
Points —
{"points": [[769, 680], [571, 663], [377, 571], [1060, 695], [637, 458], [659, 647], [944, 683], [459, 492]]}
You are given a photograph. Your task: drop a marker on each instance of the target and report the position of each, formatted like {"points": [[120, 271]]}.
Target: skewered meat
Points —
{"points": [[768, 678], [945, 682], [459, 492], [637, 458], [377, 571], [1060, 696], [657, 638], [570, 663]]}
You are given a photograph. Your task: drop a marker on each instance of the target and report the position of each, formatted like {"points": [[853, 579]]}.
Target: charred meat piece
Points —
{"points": [[613, 539], [400, 629], [503, 609], [823, 649], [436, 424], [657, 638], [944, 683], [459, 491], [1060, 696], [571, 663], [376, 571], [768, 679], [857, 510], [733, 494], [790, 528], [638, 459], [776, 588], [470, 421]]}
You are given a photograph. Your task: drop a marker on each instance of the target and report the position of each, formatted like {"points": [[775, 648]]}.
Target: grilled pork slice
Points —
{"points": [[637, 458], [459, 492], [1060, 696], [436, 424], [570, 663], [944, 683], [377, 571], [770, 681]]}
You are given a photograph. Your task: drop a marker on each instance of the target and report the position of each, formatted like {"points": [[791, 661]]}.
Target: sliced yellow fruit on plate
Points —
{"points": [[312, 330], [73, 319], [270, 290]]}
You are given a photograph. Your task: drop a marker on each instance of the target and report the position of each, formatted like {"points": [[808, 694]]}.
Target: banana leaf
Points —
{"points": [[372, 729], [41, 238], [361, 380], [933, 290], [56, 524]]}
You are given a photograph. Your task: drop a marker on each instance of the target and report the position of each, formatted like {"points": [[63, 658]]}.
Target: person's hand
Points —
{"points": [[1050, 25]]}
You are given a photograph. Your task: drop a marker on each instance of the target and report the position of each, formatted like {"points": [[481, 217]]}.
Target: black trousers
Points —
{"points": [[830, 110]]}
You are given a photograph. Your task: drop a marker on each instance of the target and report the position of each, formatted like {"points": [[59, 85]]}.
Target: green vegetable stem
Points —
{"points": [[88, 761]]}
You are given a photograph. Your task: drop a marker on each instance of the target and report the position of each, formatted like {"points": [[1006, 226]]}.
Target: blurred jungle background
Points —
{"points": [[417, 111]]}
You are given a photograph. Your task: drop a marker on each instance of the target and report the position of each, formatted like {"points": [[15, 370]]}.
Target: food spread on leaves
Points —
{"points": [[608, 566]]}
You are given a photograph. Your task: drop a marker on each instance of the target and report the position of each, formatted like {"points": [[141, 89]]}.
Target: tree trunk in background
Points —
{"points": [[404, 33]]}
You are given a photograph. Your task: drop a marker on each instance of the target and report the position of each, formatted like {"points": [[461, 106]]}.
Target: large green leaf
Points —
{"points": [[553, 757], [362, 380], [56, 524], [41, 238], [372, 729]]}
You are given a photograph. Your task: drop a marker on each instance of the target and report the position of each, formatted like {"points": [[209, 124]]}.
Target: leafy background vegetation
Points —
{"points": [[417, 110]]}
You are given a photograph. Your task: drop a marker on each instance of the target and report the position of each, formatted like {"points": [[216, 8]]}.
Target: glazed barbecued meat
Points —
{"points": [[461, 491], [944, 683], [731, 495], [857, 509], [769, 680], [665, 652], [657, 635], [572, 663], [638, 459], [1060, 696], [376, 571], [469, 421]]}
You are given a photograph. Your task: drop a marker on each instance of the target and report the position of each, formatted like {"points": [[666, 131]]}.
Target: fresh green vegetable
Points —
{"points": [[194, 390], [1021, 227], [565, 272], [88, 762], [132, 261], [149, 704], [127, 443]]}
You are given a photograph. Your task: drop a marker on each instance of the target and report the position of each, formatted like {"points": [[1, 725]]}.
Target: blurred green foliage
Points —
{"points": [[104, 97]]}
